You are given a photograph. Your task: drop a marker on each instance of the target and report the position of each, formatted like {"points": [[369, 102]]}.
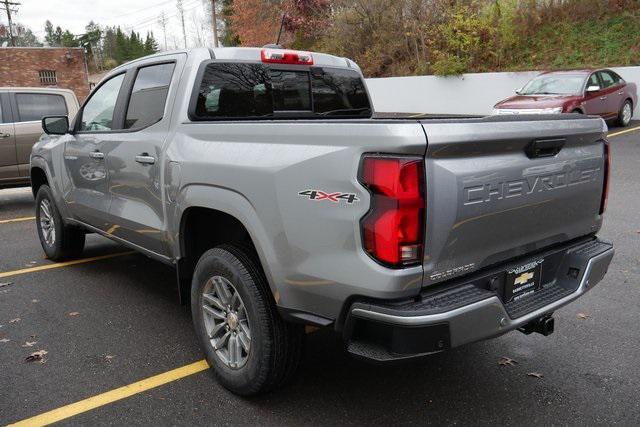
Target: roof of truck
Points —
{"points": [[246, 54]]}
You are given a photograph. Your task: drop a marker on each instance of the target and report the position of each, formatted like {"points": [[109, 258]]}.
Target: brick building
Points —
{"points": [[61, 67]]}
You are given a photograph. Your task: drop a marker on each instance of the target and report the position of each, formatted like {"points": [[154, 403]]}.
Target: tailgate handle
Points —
{"points": [[544, 147]]}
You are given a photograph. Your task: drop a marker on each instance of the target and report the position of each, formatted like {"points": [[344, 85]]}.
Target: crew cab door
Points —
{"points": [[29, 108], [87, 194], [8, 160], [135, 159]]}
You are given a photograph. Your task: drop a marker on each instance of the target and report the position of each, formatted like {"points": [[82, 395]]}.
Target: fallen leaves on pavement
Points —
{"points": [[74, 313], [3, 284], [506, 361], [3, 340], [35, 300], [36, 356], [535, 375], [29, 343], [16, 320], [583, 316]]}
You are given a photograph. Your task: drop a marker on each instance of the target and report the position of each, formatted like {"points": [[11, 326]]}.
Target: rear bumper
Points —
{"points": [[470, 311]]}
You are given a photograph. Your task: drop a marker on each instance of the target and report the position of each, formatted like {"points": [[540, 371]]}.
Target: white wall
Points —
{"points": [[467, 94]]}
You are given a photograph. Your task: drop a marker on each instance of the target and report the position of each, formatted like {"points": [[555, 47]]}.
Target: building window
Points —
{"points": [[48, 77]]}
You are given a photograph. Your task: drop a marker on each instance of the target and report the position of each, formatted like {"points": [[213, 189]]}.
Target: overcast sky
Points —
{"points": [[140, 15]]}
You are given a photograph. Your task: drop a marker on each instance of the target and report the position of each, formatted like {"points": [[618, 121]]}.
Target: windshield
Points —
{"points": [[554, 85]]}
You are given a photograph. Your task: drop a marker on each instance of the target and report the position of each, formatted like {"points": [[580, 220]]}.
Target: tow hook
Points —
{"points": [[543, 325]]}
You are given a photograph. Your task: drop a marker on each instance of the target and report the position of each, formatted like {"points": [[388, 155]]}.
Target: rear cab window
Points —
{"points": [[258, 91]]}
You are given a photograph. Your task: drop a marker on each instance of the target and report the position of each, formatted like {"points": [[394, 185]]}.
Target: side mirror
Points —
{"points": [[593, 88], [55, 125], [518, 91]]}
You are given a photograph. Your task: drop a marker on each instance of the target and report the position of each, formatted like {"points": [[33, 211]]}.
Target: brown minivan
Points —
{"points": [[21, 112]]}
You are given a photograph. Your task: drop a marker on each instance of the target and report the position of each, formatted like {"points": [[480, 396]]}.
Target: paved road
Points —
{"points": [[129, 327]]}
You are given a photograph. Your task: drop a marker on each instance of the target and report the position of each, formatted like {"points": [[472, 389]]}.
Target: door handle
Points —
{"points": [[96, 155], [145, 159], [4, 135]]}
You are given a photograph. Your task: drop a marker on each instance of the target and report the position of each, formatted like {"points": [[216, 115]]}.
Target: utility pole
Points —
{"points": [[214, 19], [162, 20], [7, 7], [181, 12]]}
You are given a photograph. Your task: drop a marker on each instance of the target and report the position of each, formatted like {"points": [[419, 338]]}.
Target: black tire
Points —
{"points": [[67, 242], [624, 120], [276, 346]]}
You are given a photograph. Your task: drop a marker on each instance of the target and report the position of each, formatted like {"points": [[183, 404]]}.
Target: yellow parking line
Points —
{"points": [[9, 221], [611, 135], [61, 264], [111, 396], [114, 395]]}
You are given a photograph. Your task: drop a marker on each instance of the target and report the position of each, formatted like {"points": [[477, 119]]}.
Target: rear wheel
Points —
{"points": [[59, 241], [625, 114], [247, 344]]}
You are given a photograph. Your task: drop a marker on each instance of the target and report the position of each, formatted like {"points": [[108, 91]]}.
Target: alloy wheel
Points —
{"points": [[226, 322], [47, 223], [626, 113]]}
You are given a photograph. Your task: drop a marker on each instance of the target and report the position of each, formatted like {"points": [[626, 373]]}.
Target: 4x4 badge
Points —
{"points": [[317, 195]]}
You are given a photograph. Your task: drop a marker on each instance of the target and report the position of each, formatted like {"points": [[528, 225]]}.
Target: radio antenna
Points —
{"points": [[281, 26]]}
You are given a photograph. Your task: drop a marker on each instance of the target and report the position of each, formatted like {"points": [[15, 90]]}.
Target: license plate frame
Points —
{"points": [[523, 281]]}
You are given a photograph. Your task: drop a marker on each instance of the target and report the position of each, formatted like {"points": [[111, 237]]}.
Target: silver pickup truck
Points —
{"points": [[266, 179]]}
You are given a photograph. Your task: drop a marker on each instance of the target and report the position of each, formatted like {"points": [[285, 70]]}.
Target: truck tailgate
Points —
{"points": [[497, 189]]}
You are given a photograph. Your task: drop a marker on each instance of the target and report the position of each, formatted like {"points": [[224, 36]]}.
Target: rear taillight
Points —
{"points": [[393, 229], [281, 56], [607, 173]]}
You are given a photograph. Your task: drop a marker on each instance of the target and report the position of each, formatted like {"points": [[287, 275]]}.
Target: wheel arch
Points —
{"points": [[38, 179], [209, 216]]}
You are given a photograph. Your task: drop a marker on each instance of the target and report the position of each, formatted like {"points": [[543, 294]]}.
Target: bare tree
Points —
{"points": [[181, 13]]}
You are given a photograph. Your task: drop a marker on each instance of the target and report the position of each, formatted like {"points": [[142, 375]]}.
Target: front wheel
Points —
{"points": [[625, 114], [59, 241], [247, 344]]}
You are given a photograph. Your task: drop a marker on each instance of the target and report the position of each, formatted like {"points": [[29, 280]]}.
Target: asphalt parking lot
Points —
{"points": [[111, 321]]}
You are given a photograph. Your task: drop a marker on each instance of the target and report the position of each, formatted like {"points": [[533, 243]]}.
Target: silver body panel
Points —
{"points": [[312, 252]]}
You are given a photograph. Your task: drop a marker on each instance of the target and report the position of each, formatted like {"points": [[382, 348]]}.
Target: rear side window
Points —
{"points": [[34, 106], [149, 95], [247, 90]]}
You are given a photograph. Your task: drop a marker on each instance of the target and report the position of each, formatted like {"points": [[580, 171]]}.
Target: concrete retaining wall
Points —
{"points": [[466, 94]]}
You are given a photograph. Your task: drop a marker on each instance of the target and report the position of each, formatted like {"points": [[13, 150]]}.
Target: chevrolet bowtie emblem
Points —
{"points": [[523, 278]]}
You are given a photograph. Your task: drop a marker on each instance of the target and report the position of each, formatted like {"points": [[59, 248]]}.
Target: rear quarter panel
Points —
{"points": [[310, 249]]}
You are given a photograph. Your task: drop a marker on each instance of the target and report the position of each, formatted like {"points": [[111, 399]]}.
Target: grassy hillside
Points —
{"points": [[595, 42]]}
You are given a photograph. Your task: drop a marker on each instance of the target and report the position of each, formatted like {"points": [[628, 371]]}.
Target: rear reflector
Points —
{"points": [[607, 173], [393, 229], [281, 56]]}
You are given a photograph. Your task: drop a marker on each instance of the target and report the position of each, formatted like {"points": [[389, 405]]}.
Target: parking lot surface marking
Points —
{"points": [[111, 396], [62, 264], [622, 132], [25, 218]]}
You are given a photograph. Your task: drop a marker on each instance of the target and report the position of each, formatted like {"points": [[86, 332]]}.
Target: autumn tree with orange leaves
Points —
{"points": [[257, 22]]}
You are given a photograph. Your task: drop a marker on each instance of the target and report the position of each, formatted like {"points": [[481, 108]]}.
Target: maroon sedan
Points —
{"points": [[598, 92]]}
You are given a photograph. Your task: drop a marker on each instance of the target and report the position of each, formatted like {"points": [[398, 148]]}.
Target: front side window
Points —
{"points": [[149, 96], [593, 81], [608, 79], [97, 114], [34, 106], [257, 91]]}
